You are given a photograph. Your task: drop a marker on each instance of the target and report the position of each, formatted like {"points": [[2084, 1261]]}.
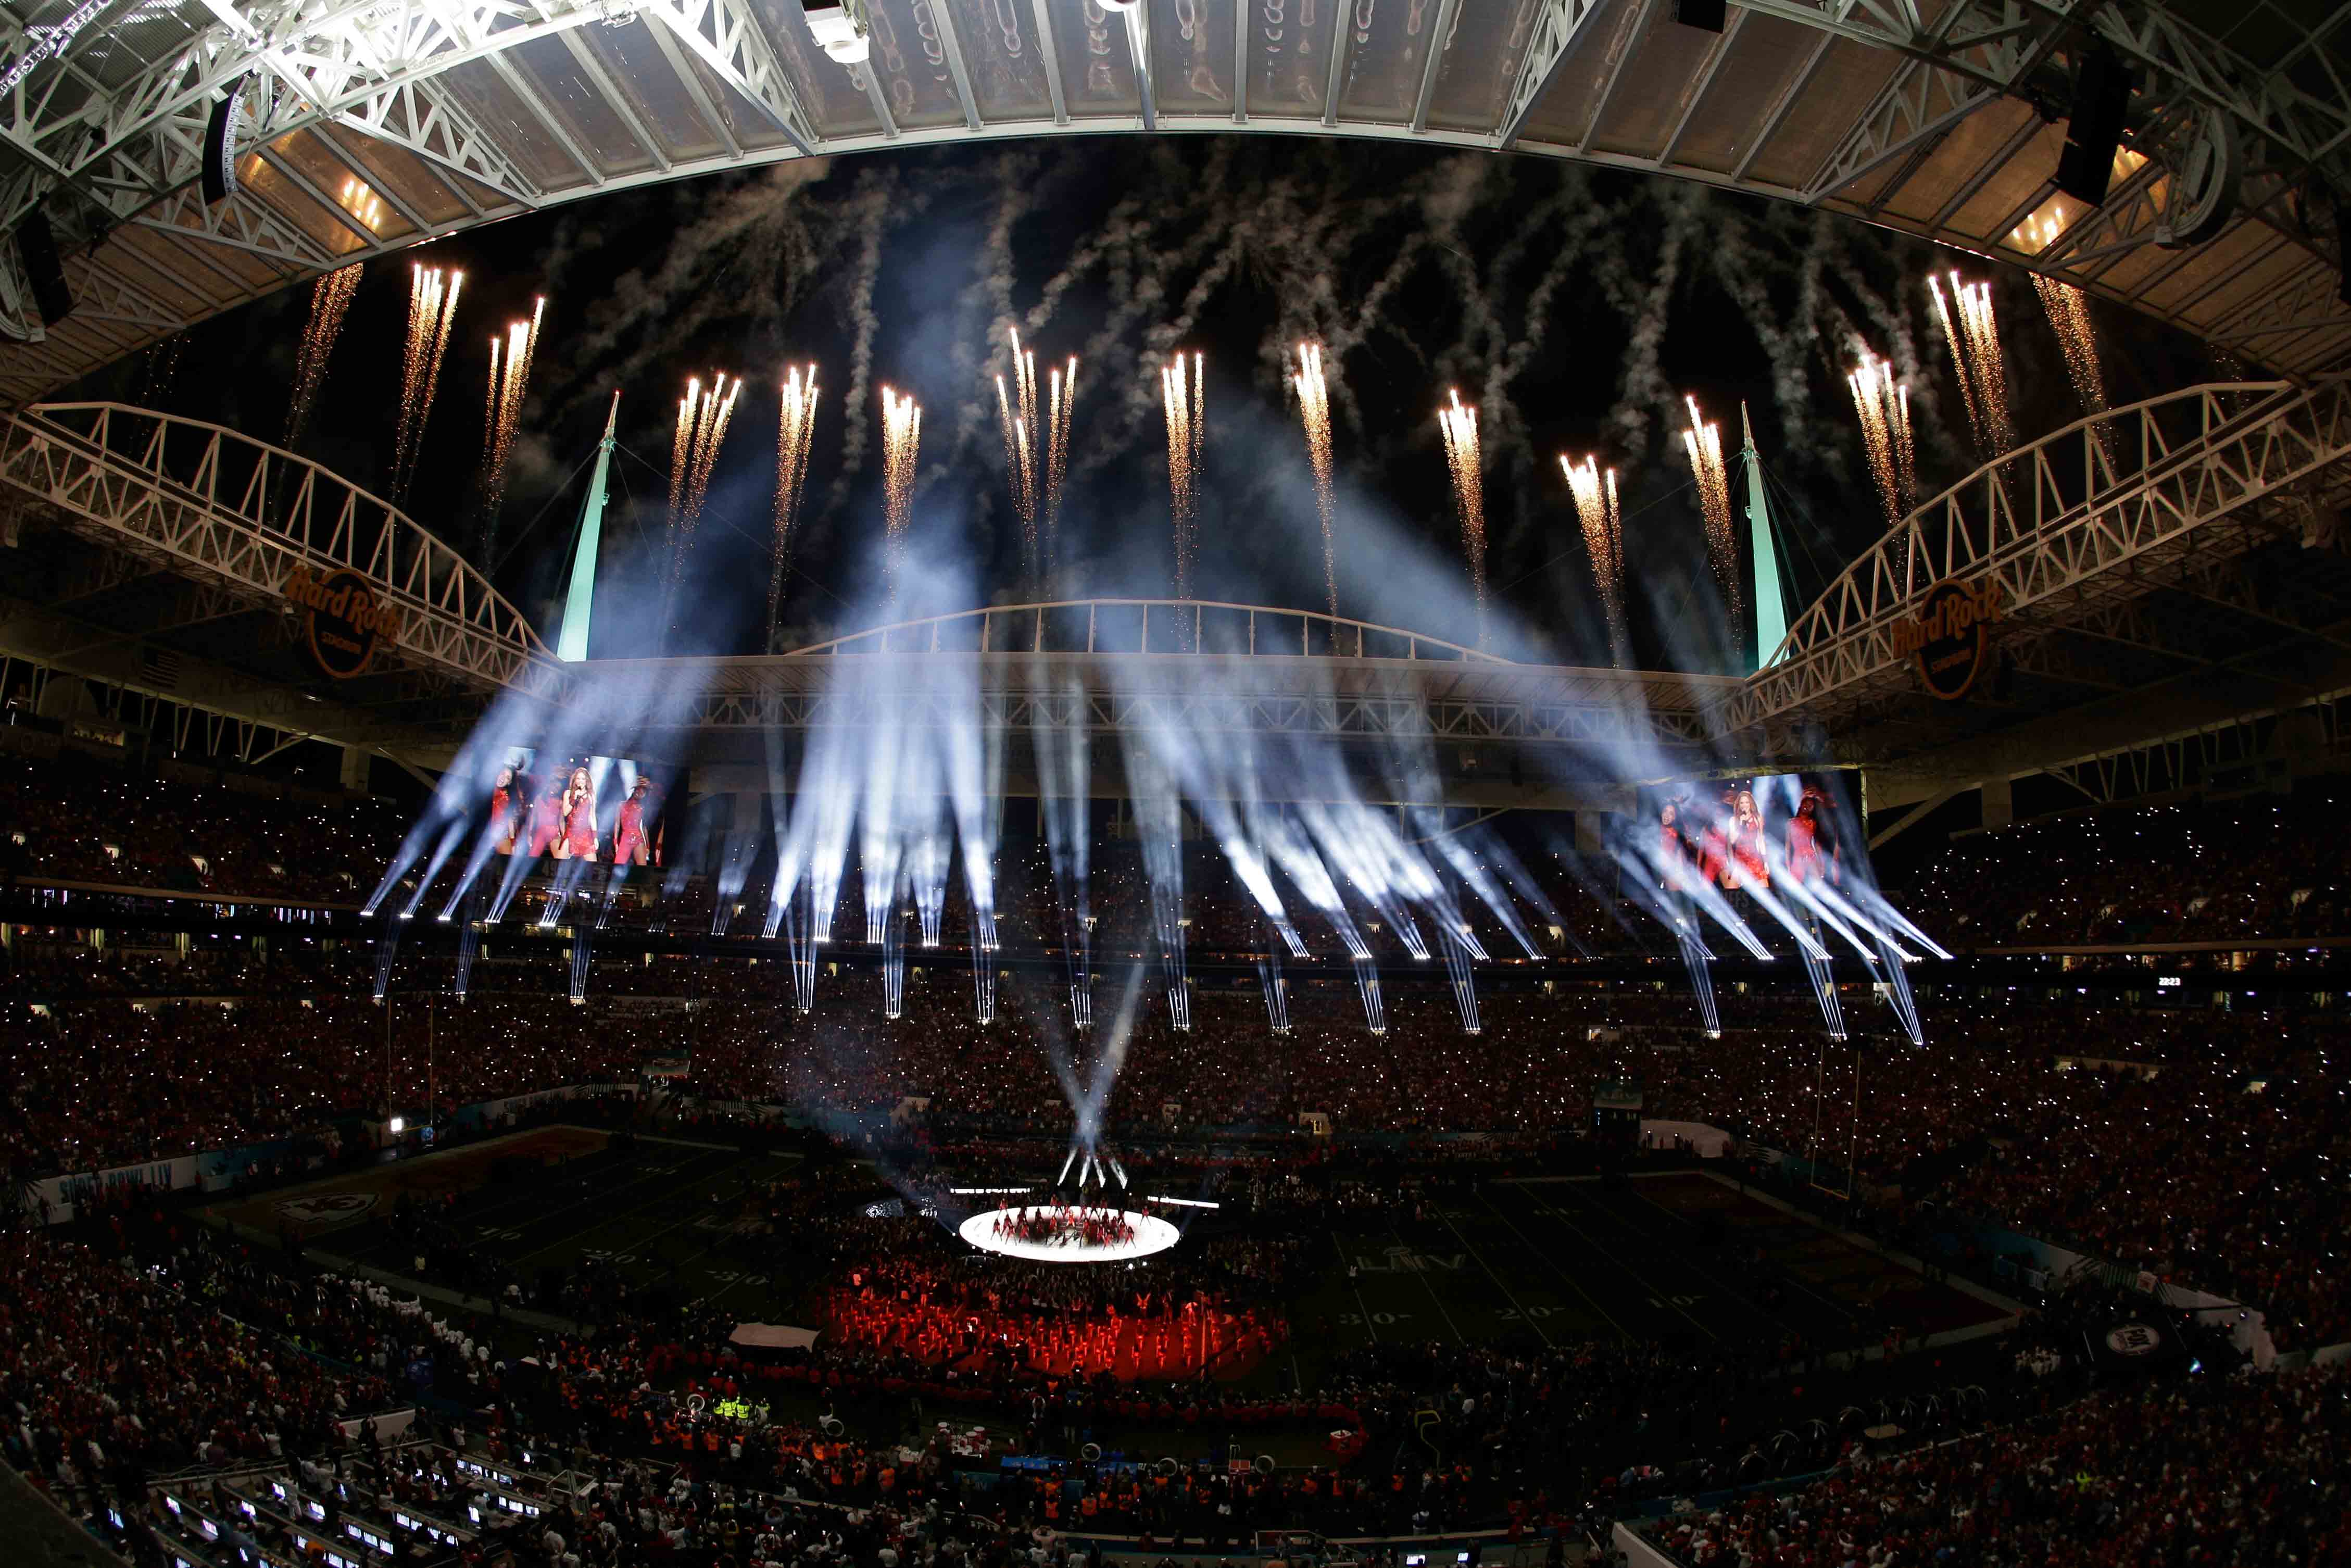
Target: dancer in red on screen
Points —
{"points": [[579, 840], [630, 846], [1805, 861], [506, 811], [1714, 846], [1750, 863], [1671, 855], [546, 822]]}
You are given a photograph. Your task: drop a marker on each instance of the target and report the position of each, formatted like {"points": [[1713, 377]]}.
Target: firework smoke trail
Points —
{"points": [[1884, 406], [1314, 408], [796, 427], [330, 301], [1459, 422], [432, 309], [1183, 396], [1604, 539], [1703, 443], [902, 436], [1957, 344]]}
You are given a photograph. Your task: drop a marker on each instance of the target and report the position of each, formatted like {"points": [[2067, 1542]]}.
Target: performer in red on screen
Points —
{"points": [[630, 846], [546, 821], [579, 840], [1805, 861], [506, 811], [1714, 845], [1670, 853], [1751, 866]]}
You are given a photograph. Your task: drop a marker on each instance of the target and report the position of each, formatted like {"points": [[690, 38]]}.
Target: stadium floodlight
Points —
{"points": [[839, 30]]}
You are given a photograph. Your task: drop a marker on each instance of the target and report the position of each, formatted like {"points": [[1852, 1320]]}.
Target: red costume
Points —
{"points": [[546, 823], [628, 845], [578, 818]]}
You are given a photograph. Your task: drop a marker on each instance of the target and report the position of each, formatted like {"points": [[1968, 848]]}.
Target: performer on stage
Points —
{"points": [[630, 846], [578, 840]]}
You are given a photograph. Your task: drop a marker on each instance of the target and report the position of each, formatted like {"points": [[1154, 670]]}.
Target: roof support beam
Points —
{"points": [[1440, 39], [1138, 41], [1555, 33], [707, 110], [537, 109], [601, 79], [1617, 75], [1340, 12], [871, 78], [951, 46], [1049, 57], [727, 36], [1240, 60], [1715, 57]]}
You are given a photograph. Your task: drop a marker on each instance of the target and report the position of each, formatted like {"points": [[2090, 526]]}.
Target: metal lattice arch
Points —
{"points": [[239, 516], [2072, 529], [369, 126], [1119, 665]]}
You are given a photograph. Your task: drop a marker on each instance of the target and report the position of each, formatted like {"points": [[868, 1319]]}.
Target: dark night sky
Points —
{"points": [[1575, 306]]}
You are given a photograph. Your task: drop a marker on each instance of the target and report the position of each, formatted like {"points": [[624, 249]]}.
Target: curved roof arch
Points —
{"points": [[369, 126]]}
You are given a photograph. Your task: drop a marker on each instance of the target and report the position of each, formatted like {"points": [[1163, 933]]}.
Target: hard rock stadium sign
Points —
{"points": [[343, 622], [1950, 637]]}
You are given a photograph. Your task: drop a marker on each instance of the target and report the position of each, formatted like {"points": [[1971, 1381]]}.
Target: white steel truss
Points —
{"points": [[222, 508], [2076, 523], [455, 98]]}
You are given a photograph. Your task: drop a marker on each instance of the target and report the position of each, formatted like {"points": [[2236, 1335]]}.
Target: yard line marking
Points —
{"points": [[1447, 1216], [1553, 1264], [1434, 1299], [1369, 1327], [1793, 1278], [1656, 1295]]}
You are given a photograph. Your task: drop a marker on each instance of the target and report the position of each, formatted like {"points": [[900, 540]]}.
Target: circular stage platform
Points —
{"points": [[1142, 1235]]}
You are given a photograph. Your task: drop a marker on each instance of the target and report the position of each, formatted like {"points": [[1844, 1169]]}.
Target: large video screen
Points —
{"points": [[597, 809], [1750, 833]]}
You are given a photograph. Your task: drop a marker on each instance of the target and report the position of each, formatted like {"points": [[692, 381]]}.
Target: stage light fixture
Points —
{"points": [[220, 146], [839, 30], [2093, 129]]}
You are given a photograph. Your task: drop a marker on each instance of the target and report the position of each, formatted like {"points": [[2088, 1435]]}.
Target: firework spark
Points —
{"points": [[902, 436], [1884, 406], [1313, 390], [1594, 492], [1061, 388], [795, 428], [330, 301], [1972, 332], [1459, 422], [702, 415], [1703, 441], [1017, 414], [2069, 314], [1184, 398], [432, 309], [510, 362]]}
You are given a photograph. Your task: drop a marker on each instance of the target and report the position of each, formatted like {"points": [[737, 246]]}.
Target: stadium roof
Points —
{"points": [[367, 126]]}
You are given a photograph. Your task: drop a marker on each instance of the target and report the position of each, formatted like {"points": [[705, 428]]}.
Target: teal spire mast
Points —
{"points": [[1771, 609], [571, 643]]}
